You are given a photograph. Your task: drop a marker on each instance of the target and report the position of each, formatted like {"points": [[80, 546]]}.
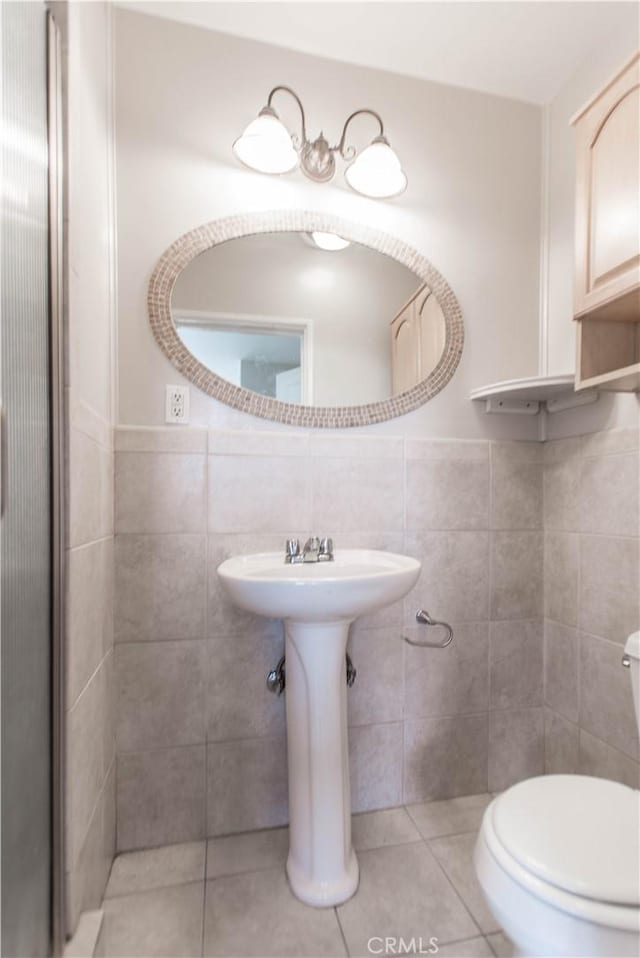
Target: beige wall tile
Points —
{"points": [[460, 449], [160, 492], [89, 610], [157, 439], [445, 757], [598, 759], [351, 495], [325, 445], [561, 576], [560, 745], [606, 700], [609, 593], [517, 575], [516, 485], [448, 681], [375, 763], [562, 494], [223, 617], [378, 657], [258, 494], [454, 583], [239, 704], [246, 785], [267, 443], [555, 450], [85, 883], [89, 755], [160, 587], [608, 441], [447, 494], [561, 666], [516, 747], [90, 490], [610, 495], [160, 694], [516, 664], [160, 797]]}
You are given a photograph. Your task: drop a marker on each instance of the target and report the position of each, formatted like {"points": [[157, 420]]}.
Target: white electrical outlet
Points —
{"points": [[177, 404]]}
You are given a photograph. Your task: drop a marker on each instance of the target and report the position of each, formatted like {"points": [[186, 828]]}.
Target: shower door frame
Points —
{"points": [[58, 450]]}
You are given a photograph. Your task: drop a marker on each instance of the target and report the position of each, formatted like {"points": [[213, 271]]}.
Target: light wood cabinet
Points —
{"points": [[417, 340], [607, 269]]}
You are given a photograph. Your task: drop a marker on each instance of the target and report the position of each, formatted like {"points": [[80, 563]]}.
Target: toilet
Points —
{"points": [[558, 860]]}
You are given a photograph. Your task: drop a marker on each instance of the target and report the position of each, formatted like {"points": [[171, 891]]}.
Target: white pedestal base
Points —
{"points": [[322, 866]]}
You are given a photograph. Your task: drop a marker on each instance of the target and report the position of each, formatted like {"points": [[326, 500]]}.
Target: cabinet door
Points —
{"points": [[405, 350], [608, 199], [431, 332]]}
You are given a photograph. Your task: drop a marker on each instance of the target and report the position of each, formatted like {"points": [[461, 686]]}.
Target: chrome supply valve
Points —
{"points": [[276, 679]]}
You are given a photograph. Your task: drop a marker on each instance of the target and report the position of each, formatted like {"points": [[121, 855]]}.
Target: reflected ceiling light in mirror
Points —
{"points": [[330, 242], [267, 146]]}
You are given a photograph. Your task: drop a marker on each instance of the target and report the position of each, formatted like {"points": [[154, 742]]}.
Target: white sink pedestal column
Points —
{"points": [[322, 866]]}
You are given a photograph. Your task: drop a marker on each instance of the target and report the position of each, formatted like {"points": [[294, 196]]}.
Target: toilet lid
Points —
{"points": [[578, 833]]}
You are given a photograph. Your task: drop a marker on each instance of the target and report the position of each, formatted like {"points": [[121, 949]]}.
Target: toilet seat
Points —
{"points": [[553, 835]]}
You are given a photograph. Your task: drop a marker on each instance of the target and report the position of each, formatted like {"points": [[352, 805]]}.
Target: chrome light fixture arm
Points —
{"points": [[349, 152], [298, 142]]}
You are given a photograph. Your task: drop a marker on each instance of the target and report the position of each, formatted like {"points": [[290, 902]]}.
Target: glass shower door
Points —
{"points": [[25, 527]]}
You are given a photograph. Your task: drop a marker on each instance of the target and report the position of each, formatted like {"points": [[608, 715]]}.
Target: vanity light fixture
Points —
{"points": [[268, 147]]}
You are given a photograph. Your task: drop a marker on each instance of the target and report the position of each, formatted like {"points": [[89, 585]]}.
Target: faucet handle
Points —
{"points": [[326, 547], [312, 544], [292, 547]]}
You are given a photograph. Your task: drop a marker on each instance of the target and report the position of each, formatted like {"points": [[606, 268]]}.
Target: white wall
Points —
{"points": [[472, 207], [604, 62]]}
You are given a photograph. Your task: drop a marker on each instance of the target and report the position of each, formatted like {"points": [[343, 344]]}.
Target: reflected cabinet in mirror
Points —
{"points": [[306, 319]]}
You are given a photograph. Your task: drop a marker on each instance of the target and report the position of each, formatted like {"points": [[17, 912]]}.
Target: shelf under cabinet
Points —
{"points": [[527, 396]]}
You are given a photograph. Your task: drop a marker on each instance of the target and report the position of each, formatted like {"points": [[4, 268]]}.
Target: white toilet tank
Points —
{"points": [[632, 661]]}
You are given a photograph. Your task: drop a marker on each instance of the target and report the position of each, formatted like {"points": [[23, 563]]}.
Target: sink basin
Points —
{"points": [[318, 602], [358, 581]]}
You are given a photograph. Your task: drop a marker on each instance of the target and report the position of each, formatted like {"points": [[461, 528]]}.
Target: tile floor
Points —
{"points": [[229, 896]]}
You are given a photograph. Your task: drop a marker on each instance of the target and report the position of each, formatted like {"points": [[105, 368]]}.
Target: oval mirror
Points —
{"points": [[306, 319]]}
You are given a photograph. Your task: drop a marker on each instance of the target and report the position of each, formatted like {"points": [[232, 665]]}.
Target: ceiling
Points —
{"points": [[523, 50]]}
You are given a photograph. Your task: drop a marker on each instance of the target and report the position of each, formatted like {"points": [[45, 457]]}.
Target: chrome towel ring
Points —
{"points": [[424, 618]]}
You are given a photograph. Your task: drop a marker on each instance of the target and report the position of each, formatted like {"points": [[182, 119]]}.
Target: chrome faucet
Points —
{"points": [[315, 549]]}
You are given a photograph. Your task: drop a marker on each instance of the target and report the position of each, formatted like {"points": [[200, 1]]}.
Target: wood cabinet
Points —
{"points": [[417, 340], [607, 269]]}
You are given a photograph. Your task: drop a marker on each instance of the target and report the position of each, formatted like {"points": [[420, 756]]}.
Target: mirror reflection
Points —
{"points": [[308, 318]]}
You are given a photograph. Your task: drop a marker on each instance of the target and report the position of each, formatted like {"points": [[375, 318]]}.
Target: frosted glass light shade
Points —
{"points": [[376, 172], [266, 145]]}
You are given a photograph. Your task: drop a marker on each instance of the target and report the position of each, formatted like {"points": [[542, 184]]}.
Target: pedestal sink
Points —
{"points": [[318, 602]]}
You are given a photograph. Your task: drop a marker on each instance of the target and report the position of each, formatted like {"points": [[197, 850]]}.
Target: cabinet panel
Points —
{"points": [[431, 332], [615, 193], [607, 289], [405, 351]]}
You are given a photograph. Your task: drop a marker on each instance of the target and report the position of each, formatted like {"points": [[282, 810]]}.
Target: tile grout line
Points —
{"points": [[455, 890], [342, 934]]}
